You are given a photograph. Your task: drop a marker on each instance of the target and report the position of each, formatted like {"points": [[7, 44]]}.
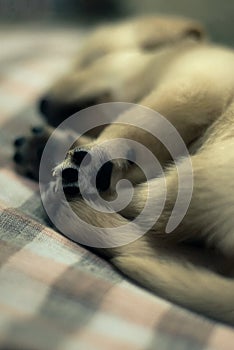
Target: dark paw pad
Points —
{"points": [[103, 178], [71, 191], [19, 141], [44, 105], [18, 158], [79, 155], [69, 175], [37, 130]]}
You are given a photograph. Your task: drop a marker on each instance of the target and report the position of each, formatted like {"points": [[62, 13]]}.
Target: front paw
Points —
{"points": [[90, 170], [29, 149]]}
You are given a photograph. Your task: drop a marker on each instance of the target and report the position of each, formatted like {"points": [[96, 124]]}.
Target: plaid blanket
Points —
{"points": [[55, 294]]}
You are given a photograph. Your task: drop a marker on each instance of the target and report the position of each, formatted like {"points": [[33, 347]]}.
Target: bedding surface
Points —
{"points": [[55, 294]]}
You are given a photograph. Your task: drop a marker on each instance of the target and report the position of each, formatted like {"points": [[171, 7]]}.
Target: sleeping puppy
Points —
{"points": [[163, 64]]}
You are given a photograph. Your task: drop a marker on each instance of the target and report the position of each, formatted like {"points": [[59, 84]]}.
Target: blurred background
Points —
{"points": [[218, 16], [40, 38]]}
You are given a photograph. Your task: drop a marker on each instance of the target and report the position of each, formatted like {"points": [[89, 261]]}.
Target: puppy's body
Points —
{"points": [[190, 83]]}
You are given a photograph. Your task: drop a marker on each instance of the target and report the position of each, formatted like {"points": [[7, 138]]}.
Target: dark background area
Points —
{"points": [[216, 15]]}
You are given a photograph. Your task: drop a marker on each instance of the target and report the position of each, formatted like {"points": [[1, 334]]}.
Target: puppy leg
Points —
{"points": [[210, 209], [195, 288]]}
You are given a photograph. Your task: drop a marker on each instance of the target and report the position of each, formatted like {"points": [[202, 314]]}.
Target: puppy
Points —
{"points": [[163, 64]]}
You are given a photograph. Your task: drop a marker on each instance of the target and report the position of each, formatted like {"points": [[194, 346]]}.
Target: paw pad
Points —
{"points": [[69, 175], [36, 130], [79, 155], [103, 178], [19, 141], [18, 158]]}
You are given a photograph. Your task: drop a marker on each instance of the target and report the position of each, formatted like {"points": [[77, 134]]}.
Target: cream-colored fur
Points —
{"points": [[160, 261], [157, 63]]}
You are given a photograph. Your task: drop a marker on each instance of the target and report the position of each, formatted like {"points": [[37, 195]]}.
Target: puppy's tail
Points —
{"points": [[195, 288]]}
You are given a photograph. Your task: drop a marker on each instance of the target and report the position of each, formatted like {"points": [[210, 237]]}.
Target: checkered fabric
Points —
{"points": [[55, 294]]}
